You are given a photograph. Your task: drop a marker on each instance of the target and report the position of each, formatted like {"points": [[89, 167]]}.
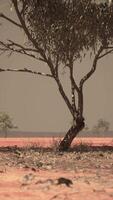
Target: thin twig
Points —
{"points": [[20, 49], [10, 20], [108, 52]]}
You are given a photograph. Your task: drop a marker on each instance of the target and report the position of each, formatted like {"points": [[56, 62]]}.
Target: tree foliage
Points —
{"points": [[6, 123], [66, 28], [102, 125]]}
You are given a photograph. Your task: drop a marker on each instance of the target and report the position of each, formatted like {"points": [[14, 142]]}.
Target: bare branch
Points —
{"points": [[10, 20], [61, 90], [11, 46], [88, 75], [12, 49], [25, 70], [12, 43], [108, 52]]}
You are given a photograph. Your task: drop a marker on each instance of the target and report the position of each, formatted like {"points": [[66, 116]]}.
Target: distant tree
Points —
{"points": [[86, 128], [102, 125], [60, 32], [6, 123]]}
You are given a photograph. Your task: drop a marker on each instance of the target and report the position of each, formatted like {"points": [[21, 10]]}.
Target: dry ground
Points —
{"points": [[47, 141], [33, 173]]}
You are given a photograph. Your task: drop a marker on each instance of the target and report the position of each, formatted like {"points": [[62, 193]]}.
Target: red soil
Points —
{"points": [[47, 142], [14, 186]]}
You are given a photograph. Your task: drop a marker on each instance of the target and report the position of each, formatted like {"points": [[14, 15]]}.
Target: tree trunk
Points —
{"points": [[71, 134]]}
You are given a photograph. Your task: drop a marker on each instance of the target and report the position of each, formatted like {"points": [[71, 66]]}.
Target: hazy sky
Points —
{"points": [[34, 101]]}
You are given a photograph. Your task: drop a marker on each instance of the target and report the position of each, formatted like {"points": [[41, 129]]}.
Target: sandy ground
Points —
{"points": [[20, 184], [33, 173]]}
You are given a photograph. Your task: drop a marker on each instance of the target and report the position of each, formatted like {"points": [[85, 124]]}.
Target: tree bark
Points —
{"points": [[71, 134]]}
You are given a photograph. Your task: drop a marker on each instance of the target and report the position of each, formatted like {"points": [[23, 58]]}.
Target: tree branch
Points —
{"points": [[55, 73], [80, 103], [75, 85], [11, 46], [33, 41], [108, 52], [73, 81], [12, 43], [56, 65], [39, 50], [10, 20], [25, 70], [61, 90], [89, 74], [72, 88]]}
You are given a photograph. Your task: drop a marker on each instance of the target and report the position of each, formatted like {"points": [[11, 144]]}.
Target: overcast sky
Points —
{"points": [[35, 103]]}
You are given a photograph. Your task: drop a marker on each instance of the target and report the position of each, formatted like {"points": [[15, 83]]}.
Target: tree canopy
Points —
{"points": [[66, 28], [6, 123], [102, 125]]}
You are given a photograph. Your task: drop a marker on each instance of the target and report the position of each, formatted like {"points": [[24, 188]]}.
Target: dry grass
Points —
{"points": [[80, 156]]}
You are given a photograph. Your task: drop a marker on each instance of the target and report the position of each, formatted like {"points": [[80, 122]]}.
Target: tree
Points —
{"points": [[6, 123], [60, 32], [86, 128], [102, 125]]}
